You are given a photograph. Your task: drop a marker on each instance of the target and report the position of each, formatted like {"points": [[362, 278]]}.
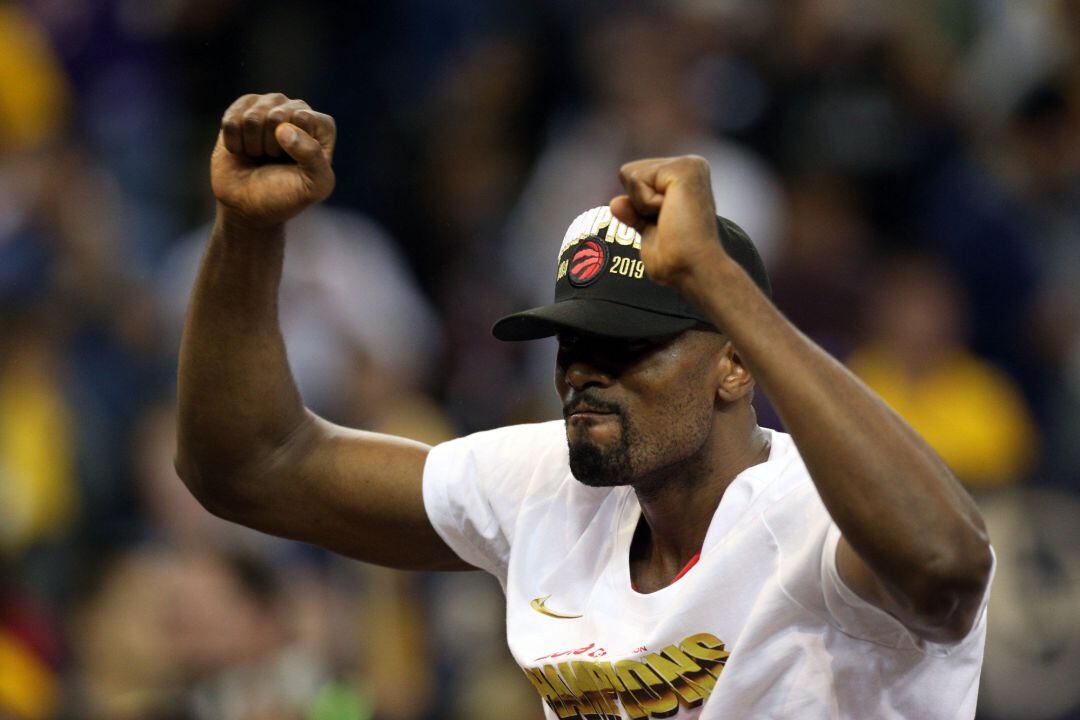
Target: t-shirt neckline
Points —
{"points": [[736, 498]]}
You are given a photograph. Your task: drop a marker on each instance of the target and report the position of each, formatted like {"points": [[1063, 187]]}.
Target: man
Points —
{"points": [[698, 565]]}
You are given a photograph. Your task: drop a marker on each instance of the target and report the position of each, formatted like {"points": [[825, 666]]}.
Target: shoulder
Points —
{"points": [[507, 444], [503, 457], [783, 479], [787, 501], [505, 465], [474, 487]]}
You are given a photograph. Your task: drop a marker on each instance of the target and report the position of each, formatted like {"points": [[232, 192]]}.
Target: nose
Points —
{"points": [[580, 370], [581, 375]]}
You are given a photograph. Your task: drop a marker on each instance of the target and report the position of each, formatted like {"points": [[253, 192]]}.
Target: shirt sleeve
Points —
{"points": [[863, 620], [474, 487]]}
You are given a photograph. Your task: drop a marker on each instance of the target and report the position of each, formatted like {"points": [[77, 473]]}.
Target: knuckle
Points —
{"points": [[691, 166], [696, 162], [252, 118], [267, 101], [304, 117], [243, 100]]}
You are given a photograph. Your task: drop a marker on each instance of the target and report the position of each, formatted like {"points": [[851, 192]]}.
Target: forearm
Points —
{"points": [[237, 399], [894, 500]]}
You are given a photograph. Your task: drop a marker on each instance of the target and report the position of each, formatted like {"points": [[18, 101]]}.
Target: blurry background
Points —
{"points": [[910, 171]]}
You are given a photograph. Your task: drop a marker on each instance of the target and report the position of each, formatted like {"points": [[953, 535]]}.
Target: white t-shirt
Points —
{"points": [[761, 627]]}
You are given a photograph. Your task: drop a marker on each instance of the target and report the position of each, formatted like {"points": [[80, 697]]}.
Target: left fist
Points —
{"points": [[670, 202]]}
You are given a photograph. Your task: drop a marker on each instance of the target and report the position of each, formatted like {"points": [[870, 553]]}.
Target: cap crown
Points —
{"points": [[601, 287], [600, 258]]}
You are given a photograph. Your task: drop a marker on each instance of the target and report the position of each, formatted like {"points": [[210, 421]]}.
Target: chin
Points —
{"points": [[599, 467]]}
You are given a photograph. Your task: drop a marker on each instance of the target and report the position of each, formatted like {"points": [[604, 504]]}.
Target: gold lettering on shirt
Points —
{"points": [[607, 693], [654, 696], [707, 650], [571, 705], [657, 685], [631, 708], [536, 677], [685, 677]]}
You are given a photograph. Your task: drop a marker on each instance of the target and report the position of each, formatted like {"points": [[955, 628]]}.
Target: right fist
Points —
{"points": [[272, 158]]}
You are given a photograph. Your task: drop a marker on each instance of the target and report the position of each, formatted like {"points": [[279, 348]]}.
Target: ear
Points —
{"points": [[734, 380]]}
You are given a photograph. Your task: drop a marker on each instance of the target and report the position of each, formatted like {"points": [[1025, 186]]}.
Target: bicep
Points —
{"points": [[353, 492]]}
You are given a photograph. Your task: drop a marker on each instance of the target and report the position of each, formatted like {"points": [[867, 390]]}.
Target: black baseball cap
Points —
{"points": [[601, 287]]}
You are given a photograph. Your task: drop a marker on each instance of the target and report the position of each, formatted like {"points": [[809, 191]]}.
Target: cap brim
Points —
{"points": [[591, 316]]}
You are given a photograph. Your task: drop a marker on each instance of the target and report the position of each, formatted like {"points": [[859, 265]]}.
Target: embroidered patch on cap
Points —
{"points": [[588, 262]]}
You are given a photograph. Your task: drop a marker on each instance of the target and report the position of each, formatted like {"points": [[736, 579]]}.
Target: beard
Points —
{"points": [[638, 458], [595, 466]]}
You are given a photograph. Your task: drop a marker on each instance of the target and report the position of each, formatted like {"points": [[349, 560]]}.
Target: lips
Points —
{"points": [[585, 409]]}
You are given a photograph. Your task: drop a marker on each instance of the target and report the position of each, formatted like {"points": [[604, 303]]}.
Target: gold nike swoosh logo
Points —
{"points": [[538, 605]]}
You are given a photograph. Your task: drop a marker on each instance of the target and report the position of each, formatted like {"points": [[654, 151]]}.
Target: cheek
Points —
{"points": [[670, 429], [685, 414], [560, 382]]}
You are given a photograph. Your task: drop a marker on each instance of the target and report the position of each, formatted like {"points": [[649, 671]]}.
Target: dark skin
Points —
{"points": [[246, 446], [913, 543], [661, 388]]}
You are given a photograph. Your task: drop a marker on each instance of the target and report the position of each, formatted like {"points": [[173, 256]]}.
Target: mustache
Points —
{"points": [[590, 400]]}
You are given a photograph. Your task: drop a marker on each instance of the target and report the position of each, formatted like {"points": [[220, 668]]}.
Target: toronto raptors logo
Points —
{"points": [[588, 262]]}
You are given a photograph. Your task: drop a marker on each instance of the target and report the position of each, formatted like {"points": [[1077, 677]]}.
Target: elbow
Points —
{"points": [[212, 492], [237, 482], [190, 473], [950, 592], [187, 469]]}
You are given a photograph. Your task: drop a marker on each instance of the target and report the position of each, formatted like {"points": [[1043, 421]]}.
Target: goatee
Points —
{"points": [[597, 467]]}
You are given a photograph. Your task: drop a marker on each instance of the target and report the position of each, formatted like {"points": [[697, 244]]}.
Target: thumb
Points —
{"points": [[623, 210], [304, 149]]}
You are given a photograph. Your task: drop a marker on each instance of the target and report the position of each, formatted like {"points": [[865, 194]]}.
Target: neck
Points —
{"points": [[678, 503]]}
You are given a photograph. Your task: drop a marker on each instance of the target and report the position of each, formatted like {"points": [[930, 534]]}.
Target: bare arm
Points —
{"points": [[913, 541], [247, 447]]}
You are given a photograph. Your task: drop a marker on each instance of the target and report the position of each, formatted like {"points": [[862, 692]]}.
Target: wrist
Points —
{"points": [[237, 224], [714, 270]]}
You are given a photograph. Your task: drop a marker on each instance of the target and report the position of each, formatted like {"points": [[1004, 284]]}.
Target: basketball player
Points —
{"points": [[661, 554]]}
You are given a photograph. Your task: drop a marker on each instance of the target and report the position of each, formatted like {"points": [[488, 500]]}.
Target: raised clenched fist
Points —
{"points": [[670, 201], [272, 158]]}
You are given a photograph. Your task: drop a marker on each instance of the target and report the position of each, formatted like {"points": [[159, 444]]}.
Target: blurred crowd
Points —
{"points": [[910, 172]]}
